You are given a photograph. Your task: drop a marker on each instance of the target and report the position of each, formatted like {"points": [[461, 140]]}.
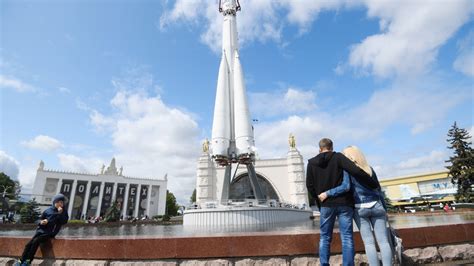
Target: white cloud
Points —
{"points": [[411, 34], [464, 63], [430, 161], [291, 101], [9, 165], [64, 90], [416, 107], [15, 84], [150, 138], [70, 162], [44, 143], [411, 31]]}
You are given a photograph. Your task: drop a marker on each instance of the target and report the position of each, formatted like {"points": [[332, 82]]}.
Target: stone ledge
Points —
{"points": [[234, 246], [459, 254]]}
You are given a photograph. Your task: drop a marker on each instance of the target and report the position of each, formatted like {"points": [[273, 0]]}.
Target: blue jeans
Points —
{"points": [[328, 217], [376, 218]]}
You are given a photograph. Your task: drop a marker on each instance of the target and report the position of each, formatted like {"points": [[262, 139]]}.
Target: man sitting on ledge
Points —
{"points": [[49, 225]]}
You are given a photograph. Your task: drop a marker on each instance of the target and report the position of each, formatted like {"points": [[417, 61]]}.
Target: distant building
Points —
{"points": [[431, 187], [91, 194]]}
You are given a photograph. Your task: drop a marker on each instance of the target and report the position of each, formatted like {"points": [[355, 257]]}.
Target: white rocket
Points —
{"points": [[232, 132]]}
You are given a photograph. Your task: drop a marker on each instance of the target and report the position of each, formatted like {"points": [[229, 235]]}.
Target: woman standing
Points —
{"points": [[370, 209]]}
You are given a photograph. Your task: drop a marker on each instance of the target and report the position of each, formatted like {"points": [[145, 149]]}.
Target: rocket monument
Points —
{"points": [[232, 131]]}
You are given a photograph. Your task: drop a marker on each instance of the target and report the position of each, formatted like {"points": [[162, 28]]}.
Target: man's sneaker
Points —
{"points": [[18, 263], [26, 263]]}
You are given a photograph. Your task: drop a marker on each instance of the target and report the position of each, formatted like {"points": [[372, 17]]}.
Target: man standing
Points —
{"points": [[325, 171]]}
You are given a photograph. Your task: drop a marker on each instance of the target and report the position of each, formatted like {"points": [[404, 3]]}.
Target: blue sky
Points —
{"points": [[84, 81]]}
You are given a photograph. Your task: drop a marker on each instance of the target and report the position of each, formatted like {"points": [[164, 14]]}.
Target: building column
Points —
{"points": [[101, 195], [162, 200], [125, 203], [60, 184], [137, 201], [86, 199], [148, 200], [114, 193], [71, 198]]}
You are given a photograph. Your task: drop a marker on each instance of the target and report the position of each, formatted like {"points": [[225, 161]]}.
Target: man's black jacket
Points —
{"points": [[325, 171]]}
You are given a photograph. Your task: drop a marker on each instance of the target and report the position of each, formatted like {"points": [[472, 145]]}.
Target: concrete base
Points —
{"points": [[244, 216]]}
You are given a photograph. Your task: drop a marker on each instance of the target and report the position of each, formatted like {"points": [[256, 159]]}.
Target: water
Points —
{"points": [[154, 231]]}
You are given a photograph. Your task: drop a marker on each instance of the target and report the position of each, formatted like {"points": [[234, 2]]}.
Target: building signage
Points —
{"points": [[132, 196], [143, 200], [107, 198], [66, 189], [120, 196], [79, 199], [93, 199]]}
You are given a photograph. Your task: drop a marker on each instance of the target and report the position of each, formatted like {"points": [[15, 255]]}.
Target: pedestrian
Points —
{"points": [[49, 225], [370, 209], [324, 172]]}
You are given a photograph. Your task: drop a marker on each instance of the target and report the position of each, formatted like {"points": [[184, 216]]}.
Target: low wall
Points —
{"points": [[225, 246]]}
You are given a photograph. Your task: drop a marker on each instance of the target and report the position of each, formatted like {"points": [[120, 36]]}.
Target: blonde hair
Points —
{"points": [[355, 154]]}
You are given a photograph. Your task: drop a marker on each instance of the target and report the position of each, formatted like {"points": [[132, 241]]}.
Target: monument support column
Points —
{"points": [[101, 195]]}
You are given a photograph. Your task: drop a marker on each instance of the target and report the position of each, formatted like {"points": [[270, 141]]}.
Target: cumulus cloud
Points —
{"points": [[149, 137], [64, 90], [415, 106], [9, 165], [15, 84], [291, 101], [464, 63], [411, 34], [42, 142], [430, 161], [70, 162]]}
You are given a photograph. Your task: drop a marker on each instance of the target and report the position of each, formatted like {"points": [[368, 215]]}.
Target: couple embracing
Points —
{"points": [[346, 187]]}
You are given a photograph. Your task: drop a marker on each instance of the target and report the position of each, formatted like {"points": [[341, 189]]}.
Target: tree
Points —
{"points": [[30, 212], [171, 205], [193, 196], [461, 168], [388, 202], [112, 214], [8, 186]]}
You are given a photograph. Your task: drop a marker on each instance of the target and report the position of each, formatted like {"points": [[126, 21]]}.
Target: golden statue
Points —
{"points": [[205, 146], [292, 141]]}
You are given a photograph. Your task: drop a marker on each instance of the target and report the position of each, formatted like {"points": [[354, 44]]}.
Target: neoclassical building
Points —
{"points": [[91, 194]]}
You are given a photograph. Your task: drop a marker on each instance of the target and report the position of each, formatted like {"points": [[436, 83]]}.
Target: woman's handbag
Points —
{"points": [[395, 244]]}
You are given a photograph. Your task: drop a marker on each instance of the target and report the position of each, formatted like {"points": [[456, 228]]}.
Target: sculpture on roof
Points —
{"points": [[112, 169], [292, 141]]}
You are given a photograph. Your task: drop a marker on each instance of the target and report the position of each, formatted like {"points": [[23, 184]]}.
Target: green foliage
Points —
{"points": [[112, 214], [461, 168], [30, 212], [171, 205], [193, 197], [76, 222], [388, 203], [166, 218], [11, 188]]}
